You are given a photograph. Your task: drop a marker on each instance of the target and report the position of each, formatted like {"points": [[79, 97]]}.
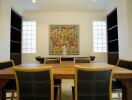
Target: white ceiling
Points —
{"points": [[64, 5]]}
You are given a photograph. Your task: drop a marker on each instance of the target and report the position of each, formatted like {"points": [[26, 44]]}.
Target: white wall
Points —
{"points": [[129, 8], [83, 19], [5, 13], [16, 7], [124, 29], [5, 6]]}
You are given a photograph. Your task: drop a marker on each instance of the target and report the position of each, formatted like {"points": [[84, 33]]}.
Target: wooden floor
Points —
{"points": [[66, 89]]}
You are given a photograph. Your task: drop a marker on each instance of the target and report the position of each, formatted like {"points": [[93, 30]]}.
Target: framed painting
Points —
{"points": [[63, 36]]}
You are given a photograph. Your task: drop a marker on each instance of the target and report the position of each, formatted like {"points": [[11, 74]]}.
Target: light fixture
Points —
{"points": [[94, 0], [34, 1]]}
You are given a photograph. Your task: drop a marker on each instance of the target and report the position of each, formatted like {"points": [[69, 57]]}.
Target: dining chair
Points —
{"points": [[81, 60], [52, 61], [9, 90], [35, 83], [92, 83], [57, 82], [92, 58], [124, 64], [39, 59], [117, 86]]}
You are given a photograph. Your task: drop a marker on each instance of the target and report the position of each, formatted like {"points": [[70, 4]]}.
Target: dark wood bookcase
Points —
{"points": [[15, 37], [112, 37]]}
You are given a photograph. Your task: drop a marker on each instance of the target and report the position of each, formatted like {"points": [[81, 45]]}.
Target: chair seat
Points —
{"points": [[116, 85], [11, 85]]}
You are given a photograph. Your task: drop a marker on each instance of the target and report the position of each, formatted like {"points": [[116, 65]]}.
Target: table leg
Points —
{"points": [[2, 92], [127, 90]]}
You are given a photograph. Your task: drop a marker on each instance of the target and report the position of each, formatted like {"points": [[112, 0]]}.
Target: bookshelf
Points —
{"points": [[15, 40], [112, 37]]}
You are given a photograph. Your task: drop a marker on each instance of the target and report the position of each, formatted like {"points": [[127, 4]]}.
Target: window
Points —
{"points": [[29, 37], [99, 36]]}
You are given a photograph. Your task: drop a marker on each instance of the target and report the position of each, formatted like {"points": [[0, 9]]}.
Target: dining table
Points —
{"points": [[67, 71]]}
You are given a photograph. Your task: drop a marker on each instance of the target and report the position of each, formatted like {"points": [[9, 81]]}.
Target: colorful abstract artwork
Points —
{"points": [[61, 36]]}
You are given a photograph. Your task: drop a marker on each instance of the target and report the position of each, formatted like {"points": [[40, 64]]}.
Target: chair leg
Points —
{"points": [[73, 93], [119, 95], [13, 95], [3, 95], [73, 98], [57, 96], [60, 91]]}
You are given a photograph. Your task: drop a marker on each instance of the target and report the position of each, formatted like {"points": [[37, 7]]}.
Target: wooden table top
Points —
{"points": [[67, 71]]}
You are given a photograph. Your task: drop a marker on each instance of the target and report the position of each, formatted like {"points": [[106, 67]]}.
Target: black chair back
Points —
{"points": [[124, 64], [81, 60], [93, 84], [52, 60], [6, 64], [40, 59], [34, 84], [92, 58]]}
